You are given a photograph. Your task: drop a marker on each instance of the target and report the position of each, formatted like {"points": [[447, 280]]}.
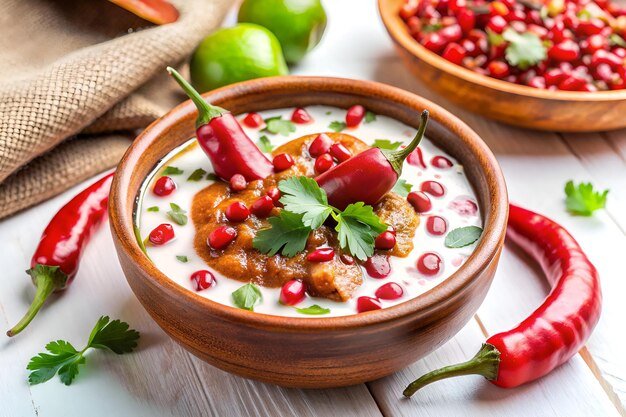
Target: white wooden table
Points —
{"points": [[161, 379]]}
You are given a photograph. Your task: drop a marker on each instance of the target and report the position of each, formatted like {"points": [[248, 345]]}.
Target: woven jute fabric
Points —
{"points": [[74, 75]]}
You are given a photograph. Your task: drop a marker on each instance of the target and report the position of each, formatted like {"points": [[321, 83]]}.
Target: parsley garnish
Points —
{"points": [[177, 214], [402, 188], [462, 236], [182, 258], [386, 144], [357, 227], [337, 126], [277, 125], [431, 28], [287, 233], [247, 296], [153, 209], [370, 117], [172, 171], [197, 175], [524, 49], [328, 113], [582, 200], [264, 144], [64, 358], [302, 195], [314, 310]]}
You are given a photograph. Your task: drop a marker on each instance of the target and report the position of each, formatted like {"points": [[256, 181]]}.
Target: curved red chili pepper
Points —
{"points": [[554, 332], [55, 262], [367, 176], [223, 140]]}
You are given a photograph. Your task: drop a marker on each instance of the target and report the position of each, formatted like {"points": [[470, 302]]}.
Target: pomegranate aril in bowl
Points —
{"points": [[283, 162], [237, 212], [161, 234], [253, 120], [320, 145], [364, 304], [340, 152], [203, 279], [164, 186], [355, 115], [221, 237], [301, 117], [292, 292]]}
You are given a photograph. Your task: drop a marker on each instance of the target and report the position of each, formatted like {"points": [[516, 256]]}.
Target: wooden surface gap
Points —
{"points": [[610, 392]]}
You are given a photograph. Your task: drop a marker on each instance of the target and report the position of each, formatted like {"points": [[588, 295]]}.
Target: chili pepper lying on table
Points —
{"points": [[55, 262], [223, 140], [369, 175], [556, 330]]}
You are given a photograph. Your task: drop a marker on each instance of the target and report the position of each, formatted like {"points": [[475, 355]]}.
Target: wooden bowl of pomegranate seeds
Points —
{"points": [[324, 340], [509, 102]]}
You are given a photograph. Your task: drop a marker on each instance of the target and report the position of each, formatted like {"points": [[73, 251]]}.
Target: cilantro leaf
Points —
{"points": [[264, 144], [357, 227], [153, 209], [177, 214], [386, 144], [65, 359], [337, 126], [616, 40], [402, 188], [182, 258], [582, 200], [197, 175], [462, 236], [277, 125], [211, 176], [172, 171], [302, 195], [247, 296], [287, 233], [524, 50], [314, 310], [370, 117]]}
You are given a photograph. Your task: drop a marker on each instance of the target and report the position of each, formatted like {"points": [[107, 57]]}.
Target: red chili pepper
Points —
{"points": [[55, 262], [554, 332], [223, 140], [367, 176]]}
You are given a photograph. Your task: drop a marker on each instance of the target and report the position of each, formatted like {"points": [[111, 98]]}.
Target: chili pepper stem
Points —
{"points": [[47, 279], [396, 158], [486, 363], [206, 111]]}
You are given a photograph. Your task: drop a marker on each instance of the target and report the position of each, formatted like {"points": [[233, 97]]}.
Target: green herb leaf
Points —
{"points": [[402, 188], [616, 40], [462, 236], [65, 359], [582, 200], [197, 175], [494, 38], [524, 50], [247, 297], [386, 144], [302, 195], [287, 233], [328, 113], [357, 227], [153, 209], [431, 28], [264, 144], [211, 176], [172, 171], [182, 258], [177, 214], [313, 310], [370, 117], [277, 125], [337, 126]]}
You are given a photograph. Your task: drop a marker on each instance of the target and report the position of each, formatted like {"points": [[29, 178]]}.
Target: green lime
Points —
{"points": [[239, 53], [298, 24]]}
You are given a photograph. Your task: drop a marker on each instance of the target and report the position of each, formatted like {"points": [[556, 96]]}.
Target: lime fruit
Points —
{"points": [[298, 24], [239, 53]]}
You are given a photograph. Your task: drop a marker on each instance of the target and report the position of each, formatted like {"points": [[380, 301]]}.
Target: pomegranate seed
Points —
{"points": [[253, 120], [161, 234], [346, 259], [282, 162], [323, 163], [537, 82], [420, 201], [408, 9], [203, 279], [385, 241], [572, 83], [538, 30], [433, 188], [221, 237], [436, 226], [557, 32], [567, 50], [301, 117], [604, 57], [262, 207], [590, 27], [164, 186], [433, 41], [391, 230], [237, 212], [389, 291], [498, 69], [364, 304], [454, 53], [292, 292], [238, 182], [452, 33], [594, 43], [497, 24], [320, 145], [340, 152], [321, 255], [457, 5], [429, 264], [441, 162], [554, 76], [355, 115], [467, 20], [274, 194], [378, 266]]}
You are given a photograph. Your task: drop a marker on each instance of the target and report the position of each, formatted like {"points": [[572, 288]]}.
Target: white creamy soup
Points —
{"points": [[428, 171]]}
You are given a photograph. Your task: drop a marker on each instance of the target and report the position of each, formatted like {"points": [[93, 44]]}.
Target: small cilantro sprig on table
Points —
{"points": [[64, 359], [582, 199], [306, 208]]}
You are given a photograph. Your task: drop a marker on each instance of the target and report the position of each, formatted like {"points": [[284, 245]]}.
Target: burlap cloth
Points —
{"points": [[77, 78]]}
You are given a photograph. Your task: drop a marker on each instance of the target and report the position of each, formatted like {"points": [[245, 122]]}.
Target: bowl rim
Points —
{"points": [[400, 35], [486, 251]]}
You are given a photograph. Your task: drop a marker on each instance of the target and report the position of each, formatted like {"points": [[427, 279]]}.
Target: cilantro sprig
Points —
{"points": [[524, 49], [277, 125], [306, 208], [582, 199], [64, 359]]}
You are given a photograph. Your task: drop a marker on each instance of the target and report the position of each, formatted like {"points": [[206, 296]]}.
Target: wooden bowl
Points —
{"points": [[312, 352], [565, 111]]}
